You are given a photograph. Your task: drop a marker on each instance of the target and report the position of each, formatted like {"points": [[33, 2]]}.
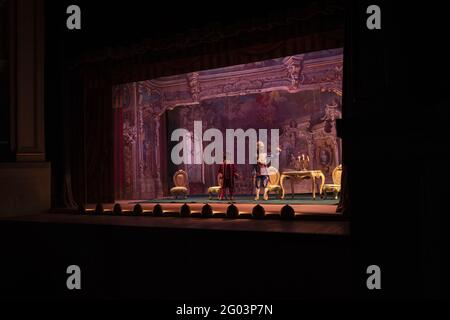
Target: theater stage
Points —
{"points": [[304, 207], [245, 199], [310, 227]]}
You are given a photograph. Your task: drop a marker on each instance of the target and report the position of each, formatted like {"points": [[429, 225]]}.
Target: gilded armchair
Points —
{"points": [[273, 185], [334, 187], [215, 190], [181, 182]]}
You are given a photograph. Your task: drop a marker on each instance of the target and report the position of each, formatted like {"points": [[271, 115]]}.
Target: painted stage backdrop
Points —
{"points": [[300, 95]]}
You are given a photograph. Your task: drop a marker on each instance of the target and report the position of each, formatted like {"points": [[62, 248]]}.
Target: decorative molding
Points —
{"points": [[194, 85], [292, 74], [293, 66], [129, 133]]}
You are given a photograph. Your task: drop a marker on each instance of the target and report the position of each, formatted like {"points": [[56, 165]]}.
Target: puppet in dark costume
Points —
{"points": [[227, 172]]}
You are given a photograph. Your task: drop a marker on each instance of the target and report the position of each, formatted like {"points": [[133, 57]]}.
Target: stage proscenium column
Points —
{"points": [[25, 183]]}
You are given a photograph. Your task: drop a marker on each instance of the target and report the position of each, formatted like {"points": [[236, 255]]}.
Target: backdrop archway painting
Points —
{"points": [[299, 95]]}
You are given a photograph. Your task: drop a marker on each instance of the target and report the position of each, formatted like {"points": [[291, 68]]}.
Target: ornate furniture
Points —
{"points": [[180, 180], [334, 187], [273, 184], [297, 176], [215, 190]]}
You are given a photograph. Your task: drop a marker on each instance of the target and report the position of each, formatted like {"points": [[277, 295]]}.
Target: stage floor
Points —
{"points": [[319, 218], [245, 199], [303, 206], [312, 227]]}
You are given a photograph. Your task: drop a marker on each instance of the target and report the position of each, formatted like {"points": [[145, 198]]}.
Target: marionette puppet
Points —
{"points": [[260, 171], [227, 173]]}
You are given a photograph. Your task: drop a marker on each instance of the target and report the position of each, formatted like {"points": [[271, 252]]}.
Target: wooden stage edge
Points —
{"points": [[300, 227], [219, 209], [317, 220]]}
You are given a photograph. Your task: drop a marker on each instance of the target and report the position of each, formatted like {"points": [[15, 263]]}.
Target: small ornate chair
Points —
{"points": [[215, 190], [273, 184], [335, 187], [180, 180]]}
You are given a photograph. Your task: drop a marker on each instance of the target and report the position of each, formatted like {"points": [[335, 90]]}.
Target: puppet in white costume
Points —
{"points": [[260, 171]]}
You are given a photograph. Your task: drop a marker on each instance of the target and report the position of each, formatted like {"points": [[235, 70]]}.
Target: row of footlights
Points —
{"points": [[258, 212]]}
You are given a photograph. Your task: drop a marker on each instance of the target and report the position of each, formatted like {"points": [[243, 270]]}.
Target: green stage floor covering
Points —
{"points": [[298, 199]]}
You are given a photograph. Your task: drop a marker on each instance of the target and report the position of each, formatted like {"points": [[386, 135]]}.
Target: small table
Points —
{"points": [[296, 176]]}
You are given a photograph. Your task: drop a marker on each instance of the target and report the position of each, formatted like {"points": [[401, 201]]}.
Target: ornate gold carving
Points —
{"points": [[335, 186], [181, 182], [297, 176], [325, 154]]}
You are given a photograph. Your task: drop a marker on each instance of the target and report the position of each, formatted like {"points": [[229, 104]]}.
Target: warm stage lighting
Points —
{"points": [[185, 210], [157, 210], [207, 210], [287, 212], [258, 212], [137, 210], [117, 209], [232, 211]]}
